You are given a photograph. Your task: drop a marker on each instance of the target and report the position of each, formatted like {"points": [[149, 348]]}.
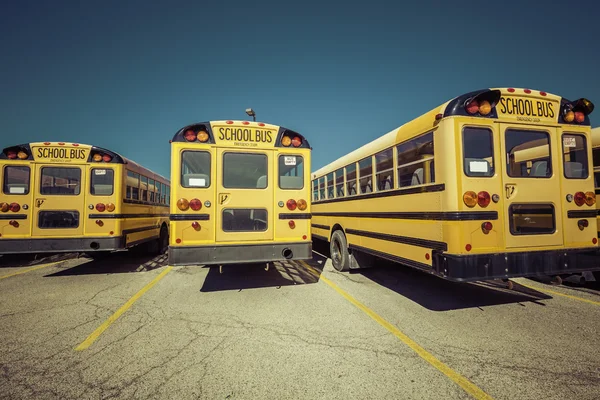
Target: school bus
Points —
{"points": [[241, 194], [71, 197], [596, 162], [492, 184]]}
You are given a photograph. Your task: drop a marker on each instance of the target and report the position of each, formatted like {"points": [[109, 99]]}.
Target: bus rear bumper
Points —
{"points": [[477, 267], [239, 254], [48, 245]]}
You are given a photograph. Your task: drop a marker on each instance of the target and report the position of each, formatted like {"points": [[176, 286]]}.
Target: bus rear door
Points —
{"points": [[245, 182], [59, 201]]}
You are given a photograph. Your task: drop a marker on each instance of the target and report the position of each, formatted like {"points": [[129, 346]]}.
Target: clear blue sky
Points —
{"points": [[127, 74]]}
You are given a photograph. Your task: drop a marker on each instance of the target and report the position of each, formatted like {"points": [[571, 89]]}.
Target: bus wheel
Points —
{"points": [[338, 249], [163, 240]]}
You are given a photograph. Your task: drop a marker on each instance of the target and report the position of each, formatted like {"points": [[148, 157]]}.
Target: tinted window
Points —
{"points": [[575, 159], [528, 154], [351, 179], [330, 185], [16, 180], [384, 167], [244, 220], [291, 172], [339, 183], [415, 161], [244, 171], [195, 171], [61, 181], [133, 185], [366, 175], [315, 190], [102, 182], [478, 152]]}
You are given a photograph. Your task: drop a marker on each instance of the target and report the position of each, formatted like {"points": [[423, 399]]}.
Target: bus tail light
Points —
{"points": [[106, 158], [582, 224], [100, 207], [292, 224], [579, 117], [4, 207], [291, 204], [483, 199], [296, 141], [472, 107], [203, 136], [11, 155], [110, 207], [14, 207], [579, 198], [189, 135], [195, 204], [590, 198], [470, 199], [183, 204], [486, 227], [302, 204], [286, 141]]}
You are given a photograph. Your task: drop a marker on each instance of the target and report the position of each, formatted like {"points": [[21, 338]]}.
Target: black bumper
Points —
{"points": [[50, 245], [238, 254], [477, 267]]}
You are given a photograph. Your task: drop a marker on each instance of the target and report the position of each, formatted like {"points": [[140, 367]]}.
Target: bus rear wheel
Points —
{"points": [[338, 248], [163, 240]]}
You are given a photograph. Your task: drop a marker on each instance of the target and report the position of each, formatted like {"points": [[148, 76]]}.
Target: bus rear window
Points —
{"points": [[61, 181], [478, 152], [575, 159], [16, 180], [244, 171], [195, 171], [291, 172], [102, 182], [528, 154]]}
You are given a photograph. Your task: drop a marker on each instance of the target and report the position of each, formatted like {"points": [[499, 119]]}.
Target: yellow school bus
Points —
{"points": [[493, 184], [71, 197], [596, 162], [241, 194]]}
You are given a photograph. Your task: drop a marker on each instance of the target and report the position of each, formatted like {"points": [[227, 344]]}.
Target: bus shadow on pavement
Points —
{"points": [[255, 276], [32, 259], [437, 294], [115, 263]]}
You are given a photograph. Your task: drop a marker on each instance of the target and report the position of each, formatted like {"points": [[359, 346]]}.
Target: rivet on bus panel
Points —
{"points": [[25, 207]]}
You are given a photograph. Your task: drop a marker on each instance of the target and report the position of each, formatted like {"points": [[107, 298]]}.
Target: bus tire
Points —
{"points": [[163, 240], [338, 248]]}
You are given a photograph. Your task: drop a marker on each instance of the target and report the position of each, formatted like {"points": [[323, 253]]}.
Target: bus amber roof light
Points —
{"points": [[485, 107], [579, 198], [470, 199], [22, 155], [483, 199], [195, 204], [97, 157], [183, 204], [590, 198], [203, 136], [189, 135], [296, 141], [286, 141], [569, 116]]}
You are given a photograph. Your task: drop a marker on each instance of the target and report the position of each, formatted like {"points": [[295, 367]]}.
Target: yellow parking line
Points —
{"points": [[92, 338], [24, 271], [463, 382], [560, 294]]}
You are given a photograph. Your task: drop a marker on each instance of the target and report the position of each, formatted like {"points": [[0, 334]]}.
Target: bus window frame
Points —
{"points": [[279, 176], [181, 158], [92, 181], [492, 151], [53, 182], [534, 130], [222, 169]]}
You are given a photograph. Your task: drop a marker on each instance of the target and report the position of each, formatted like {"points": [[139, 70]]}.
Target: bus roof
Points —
{"points": [[428, 121], [116, 158]]}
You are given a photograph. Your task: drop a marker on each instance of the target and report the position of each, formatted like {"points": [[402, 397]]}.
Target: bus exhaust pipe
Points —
{"points": [[95, 245], [287, 253]]}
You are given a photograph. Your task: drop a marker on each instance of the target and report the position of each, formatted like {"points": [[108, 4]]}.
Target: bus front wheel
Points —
{"points": [[338, 248]]}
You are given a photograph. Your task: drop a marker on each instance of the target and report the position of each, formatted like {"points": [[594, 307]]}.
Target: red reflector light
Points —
{"points": [[579, 198], [245, 122], [292, 224], [468, 247], [579, 116], [594, 240], [291, 204], [196, 225], [543, 93], [99, 222], [189, 135], [106, 158], [47, 143], [296, 141], [483, 199], [75, 145], [261, 124], [61, 143], [195, 204], [511, 90], [527, 91], [486, 227], [15, 207], [100, 207], [229, 122], [14, 223], [304, 237]]}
